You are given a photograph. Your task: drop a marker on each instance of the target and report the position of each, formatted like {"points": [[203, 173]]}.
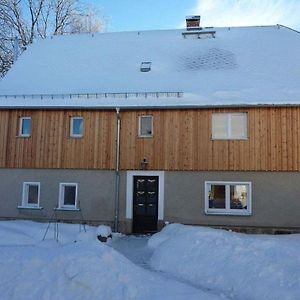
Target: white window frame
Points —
{"points": [[74, 135], [227, 210], [229, 131], [140, 126], [61, 204], [25, 203], [21, 126]]}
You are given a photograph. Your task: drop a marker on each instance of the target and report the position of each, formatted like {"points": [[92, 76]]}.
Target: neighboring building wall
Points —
{"points": [[95, 194]]}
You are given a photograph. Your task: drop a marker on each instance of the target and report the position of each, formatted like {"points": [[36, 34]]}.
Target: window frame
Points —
{"points": [[145, 66], [229, 126], [21, 127], [25, 194], [74, 135], [140, 127], [227, 210], [61, 204]]}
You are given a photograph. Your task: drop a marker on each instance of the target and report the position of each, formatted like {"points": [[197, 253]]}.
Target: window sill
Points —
{"points": [[76, 136], [230, 139], [145, 136], [229, 213], [29, 207], [23, 136], [66, 209]]}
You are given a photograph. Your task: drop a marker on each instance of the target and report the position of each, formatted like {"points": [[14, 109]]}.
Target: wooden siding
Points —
{"points": [[181, 141], [50, 144]]}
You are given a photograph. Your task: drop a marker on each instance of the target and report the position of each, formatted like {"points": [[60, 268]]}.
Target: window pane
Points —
{"points": [[239, 125], [77, 126], [69, 195], [219, 126], [26, 124], [146, 126], [33, 194], [238, 197], [216, 196]]}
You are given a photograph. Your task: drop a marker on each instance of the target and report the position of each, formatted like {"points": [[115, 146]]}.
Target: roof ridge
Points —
{"points": [[289, 28]]}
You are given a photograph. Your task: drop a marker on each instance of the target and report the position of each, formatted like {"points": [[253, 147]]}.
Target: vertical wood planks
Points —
{"points": [[181, 140]]}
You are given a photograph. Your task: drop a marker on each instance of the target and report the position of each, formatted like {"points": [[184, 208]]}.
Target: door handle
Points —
{"points": [[151, 193], [150, 205], [140, 204]]}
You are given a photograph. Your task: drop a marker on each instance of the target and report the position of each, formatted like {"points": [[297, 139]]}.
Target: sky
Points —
{"points": [[126, 15]]}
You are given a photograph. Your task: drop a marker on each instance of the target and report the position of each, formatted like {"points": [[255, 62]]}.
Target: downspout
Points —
{"points": [[117, 170]]}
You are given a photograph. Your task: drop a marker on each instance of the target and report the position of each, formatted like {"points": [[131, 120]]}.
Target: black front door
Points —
{"points": [[145, 203]]}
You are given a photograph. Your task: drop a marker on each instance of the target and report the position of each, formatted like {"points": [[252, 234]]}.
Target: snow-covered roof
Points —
{"points": [[238, 66]]}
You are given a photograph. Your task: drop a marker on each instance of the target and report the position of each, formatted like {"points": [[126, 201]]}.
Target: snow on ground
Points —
{"points": [[180, 262], [78, 266], [241, 266]]}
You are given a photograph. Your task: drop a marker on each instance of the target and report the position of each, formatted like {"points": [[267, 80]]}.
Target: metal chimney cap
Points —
{"points": [[192, 17]]}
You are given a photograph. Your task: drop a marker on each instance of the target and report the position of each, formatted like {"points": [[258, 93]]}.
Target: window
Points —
{"points": [[232, 198], [25, 127], [145, 126], [31, 195], [145, 66], [76, 127], [229, 126], [68, 195]]}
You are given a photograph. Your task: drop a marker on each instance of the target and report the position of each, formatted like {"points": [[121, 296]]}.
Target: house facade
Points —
{"points": [[204, 132]]}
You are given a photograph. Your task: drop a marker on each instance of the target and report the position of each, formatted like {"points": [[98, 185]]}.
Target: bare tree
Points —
{"points": [[30, 19]]}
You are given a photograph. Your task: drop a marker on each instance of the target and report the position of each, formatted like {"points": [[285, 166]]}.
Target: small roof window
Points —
{"points": [[145, 66]]}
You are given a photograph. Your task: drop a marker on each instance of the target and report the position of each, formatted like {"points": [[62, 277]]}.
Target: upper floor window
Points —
{"points": [[229, 126], [31, 195], [25, 126], [232, 198], [76, 127], [146, 126], [68, 196]]}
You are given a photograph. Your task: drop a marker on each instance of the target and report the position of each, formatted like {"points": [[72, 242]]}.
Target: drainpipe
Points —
{"points": [[117, 170]]}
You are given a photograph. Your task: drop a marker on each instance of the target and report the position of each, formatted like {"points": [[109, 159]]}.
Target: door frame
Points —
{"points": [[129, 191]]}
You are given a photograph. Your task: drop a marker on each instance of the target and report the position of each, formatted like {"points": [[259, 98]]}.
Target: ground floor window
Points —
{"points": [[31, 194], [228, 198], [68, 195]]}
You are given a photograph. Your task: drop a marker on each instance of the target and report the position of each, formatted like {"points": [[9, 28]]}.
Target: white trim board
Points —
{"points": [[129, 191]]}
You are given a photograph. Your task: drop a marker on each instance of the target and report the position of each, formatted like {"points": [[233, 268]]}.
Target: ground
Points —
{"points": [[181, 262]]}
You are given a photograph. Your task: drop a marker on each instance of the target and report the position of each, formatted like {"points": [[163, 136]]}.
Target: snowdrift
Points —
{"points": [[240, 266], [77, 267]]}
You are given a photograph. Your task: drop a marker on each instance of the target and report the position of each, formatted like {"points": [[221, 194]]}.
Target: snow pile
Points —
{"points": [[239, 265], [78, 266], [104, 231]]}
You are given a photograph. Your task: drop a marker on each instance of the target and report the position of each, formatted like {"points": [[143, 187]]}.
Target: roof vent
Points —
{"points": [[145, 66], [192, 22]]}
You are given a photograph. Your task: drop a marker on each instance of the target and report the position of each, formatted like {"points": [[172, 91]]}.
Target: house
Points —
{"points": [[135, 129]]}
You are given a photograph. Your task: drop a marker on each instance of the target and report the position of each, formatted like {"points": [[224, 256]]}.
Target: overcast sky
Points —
{"points": [[164, 14]]}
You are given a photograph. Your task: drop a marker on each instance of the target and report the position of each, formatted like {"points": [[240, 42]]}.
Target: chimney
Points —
{"points": [[192, 22]]}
